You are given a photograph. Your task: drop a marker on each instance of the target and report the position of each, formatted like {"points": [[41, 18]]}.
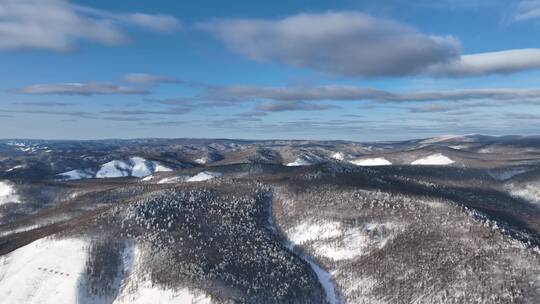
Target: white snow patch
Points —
{"points": [[299, 162], [434, 159], [161, 168], [201, 161], [354, 243], [331, 240], [8, 194], [379, 161], [338, 156], [45, 271], [202, 176], [171, 180], [148, 178], [529, 191], [311, 231]]}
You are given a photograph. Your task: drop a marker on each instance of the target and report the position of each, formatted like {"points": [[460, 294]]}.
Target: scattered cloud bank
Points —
{"points": [[353, 93], [281, 106], [358, 45], [86, 89], [149, 79], [58, 25]]}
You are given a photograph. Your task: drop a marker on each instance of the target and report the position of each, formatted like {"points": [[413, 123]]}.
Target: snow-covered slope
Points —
{"points": [[8, 194], [202, 176], [45, 271], [298, 162], [171, 180], [529, 191], [379, 161], [434, 159], [138, 288], [134, 166], [305, 160], [333, 241], [52, 271]]}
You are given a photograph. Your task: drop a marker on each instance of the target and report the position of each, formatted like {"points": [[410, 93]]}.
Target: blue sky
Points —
{"points": [[359, 70]]}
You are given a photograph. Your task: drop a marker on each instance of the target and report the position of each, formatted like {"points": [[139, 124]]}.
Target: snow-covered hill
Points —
{"points": [[433, 160], [134, 166], [379, 161]]}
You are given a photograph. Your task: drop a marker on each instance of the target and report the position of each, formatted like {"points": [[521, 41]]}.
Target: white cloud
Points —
{"points": [[344, 43], [502, 62], [359, 45], [87, 89], [527, 10], [58, 25]]}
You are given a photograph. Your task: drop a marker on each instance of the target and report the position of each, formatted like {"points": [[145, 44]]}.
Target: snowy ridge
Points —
{"points": [[433, 160], [441, 138], [379, 161], [134, 166]]}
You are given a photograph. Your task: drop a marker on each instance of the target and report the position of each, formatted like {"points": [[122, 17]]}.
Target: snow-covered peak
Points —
{"points": [[434, 159]]}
